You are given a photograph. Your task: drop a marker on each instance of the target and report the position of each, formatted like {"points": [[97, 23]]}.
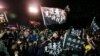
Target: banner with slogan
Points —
{"points": [[94, 27], [3, 17], [73, 42], [53, 15]]}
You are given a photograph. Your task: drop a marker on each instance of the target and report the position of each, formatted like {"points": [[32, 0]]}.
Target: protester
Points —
{"points": [[46, 42], [3, 49]]}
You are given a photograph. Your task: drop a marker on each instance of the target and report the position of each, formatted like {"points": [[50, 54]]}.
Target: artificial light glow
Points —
{"points": [[33, 9], [1, 7], [32, 22]]}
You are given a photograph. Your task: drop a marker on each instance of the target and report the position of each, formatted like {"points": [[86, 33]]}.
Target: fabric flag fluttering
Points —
{"points": [[53, 15], [94, 26], [3, 17]]}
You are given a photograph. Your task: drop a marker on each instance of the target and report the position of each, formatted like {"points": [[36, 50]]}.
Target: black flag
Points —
{"points": [[94, 26], [53, 15]]}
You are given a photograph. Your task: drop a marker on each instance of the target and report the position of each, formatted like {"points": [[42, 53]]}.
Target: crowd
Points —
{"points": [[35, 42]]}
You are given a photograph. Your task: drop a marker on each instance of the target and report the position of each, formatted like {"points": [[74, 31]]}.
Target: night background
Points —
{"points": [[81, 11], [49, 28]]}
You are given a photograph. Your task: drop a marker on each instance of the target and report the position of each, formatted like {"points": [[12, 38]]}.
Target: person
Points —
{"points": [[97, 47], [41, 43], [24, 51], [3, 49], [31, 49], [31, 37], [54, 47]]}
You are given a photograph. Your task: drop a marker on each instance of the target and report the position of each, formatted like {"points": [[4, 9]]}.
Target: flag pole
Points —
{"points": [[43, 17], [44, 22], [93, 20], [5, 16]]}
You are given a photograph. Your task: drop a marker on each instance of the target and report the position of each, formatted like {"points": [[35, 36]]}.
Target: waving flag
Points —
{"points": [[94, 26], [3, 17], [72, 41], [53, 15]]}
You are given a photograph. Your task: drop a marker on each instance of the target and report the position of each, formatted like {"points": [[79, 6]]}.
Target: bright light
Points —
{"points": [[32, 22], [1, 6], [33, 9]]}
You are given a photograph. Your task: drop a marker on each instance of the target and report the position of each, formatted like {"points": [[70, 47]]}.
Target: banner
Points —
{"points": [[73, 42], [53, 15], [3, 17], [75, 32], [94, 27]]}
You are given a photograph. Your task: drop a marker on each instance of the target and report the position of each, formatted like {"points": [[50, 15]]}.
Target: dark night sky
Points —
{"points": [[81, 14]]}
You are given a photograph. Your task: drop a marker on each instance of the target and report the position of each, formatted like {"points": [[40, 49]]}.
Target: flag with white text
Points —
{"points": [[53, 15], [94, 26]]}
